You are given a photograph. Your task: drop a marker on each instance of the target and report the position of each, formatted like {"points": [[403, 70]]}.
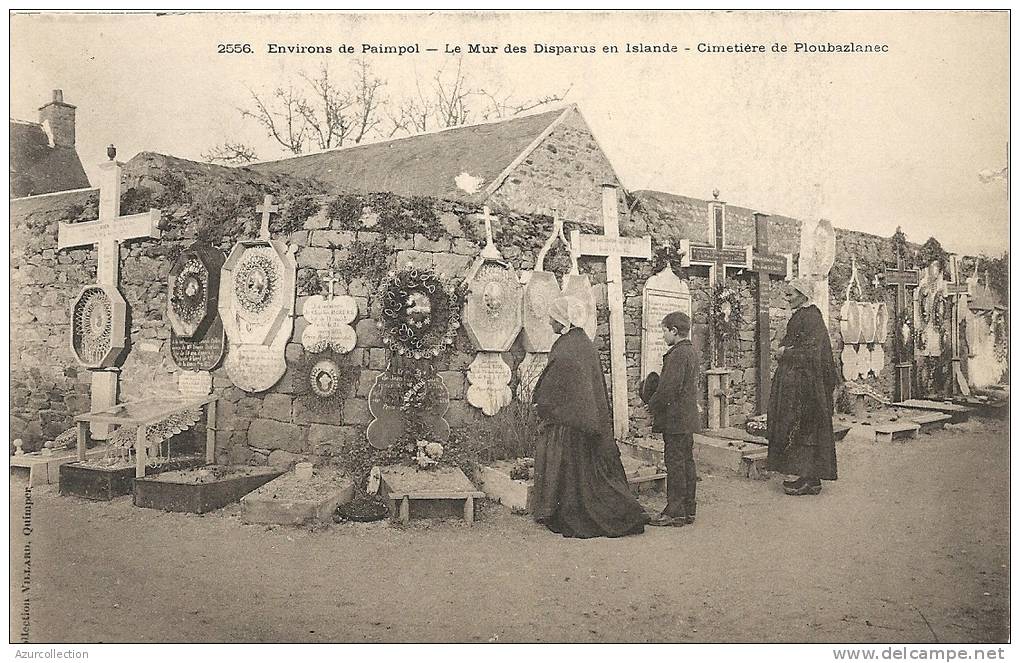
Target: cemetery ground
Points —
{"points": [[911, 545]]}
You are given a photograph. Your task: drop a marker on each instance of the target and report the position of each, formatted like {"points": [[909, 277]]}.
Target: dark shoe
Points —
{"points": [[662, 520], [794, 483], [803, 487], [689, 520]]}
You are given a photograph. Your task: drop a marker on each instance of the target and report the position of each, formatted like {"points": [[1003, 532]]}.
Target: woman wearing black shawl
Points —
{"points": [[800, 404], [580, 488]]}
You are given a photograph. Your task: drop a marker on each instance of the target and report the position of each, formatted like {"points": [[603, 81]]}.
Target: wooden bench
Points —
{"points": [[403, 485], [896, 430]]}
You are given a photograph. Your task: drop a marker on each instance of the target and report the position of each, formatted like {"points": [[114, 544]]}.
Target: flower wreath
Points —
{"points": [[727, 313], [420, 312]]}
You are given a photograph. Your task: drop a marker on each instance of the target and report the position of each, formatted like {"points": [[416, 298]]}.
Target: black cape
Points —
{"points": [[800, 404], [581, 488]]}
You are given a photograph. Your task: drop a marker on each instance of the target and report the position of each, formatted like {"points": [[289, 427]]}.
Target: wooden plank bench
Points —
{"points": [[896, 430], [959, 413], [403, 485], [930, 421]]}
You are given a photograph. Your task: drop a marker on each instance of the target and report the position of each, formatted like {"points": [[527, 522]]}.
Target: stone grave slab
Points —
{"points": [[292, 500], [896, 431], [202, 489], [43, 469], [959, 413], [494, 480], [643, 477], [722, 453], [645, 449], [404, 485], [930, 421], [662, 293]]}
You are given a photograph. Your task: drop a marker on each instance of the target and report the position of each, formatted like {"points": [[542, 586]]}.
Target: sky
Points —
{"points": [[870, 141]]}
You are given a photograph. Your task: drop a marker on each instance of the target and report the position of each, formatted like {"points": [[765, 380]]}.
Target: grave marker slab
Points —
{"points": [[256, 304], [489, 379], [329, 321], [663, 293]]}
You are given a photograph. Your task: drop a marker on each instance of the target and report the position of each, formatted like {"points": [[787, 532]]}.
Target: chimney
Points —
{"points": [[59, 117]]}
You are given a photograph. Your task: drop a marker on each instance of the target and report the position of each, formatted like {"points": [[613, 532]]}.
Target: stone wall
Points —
{"points": [[197, 200]]}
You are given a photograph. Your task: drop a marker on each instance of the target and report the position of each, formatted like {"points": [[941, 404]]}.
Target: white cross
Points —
{"points": [[331, 282], [266, 209], [111, 229], [613, 247]]}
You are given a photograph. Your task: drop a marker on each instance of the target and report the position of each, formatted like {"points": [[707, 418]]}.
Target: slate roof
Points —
{"points": [[36, 167], [426, 164]]}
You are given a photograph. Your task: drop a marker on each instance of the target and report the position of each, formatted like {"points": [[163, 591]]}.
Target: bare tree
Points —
{"points": [[231, 154], [322, 111]]}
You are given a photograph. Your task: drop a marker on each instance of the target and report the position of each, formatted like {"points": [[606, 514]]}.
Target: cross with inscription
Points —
{"points": [[901, 278], [107, 234], [716, 257], [957, 289], [266, 209], [766, 265], [613, 248]]}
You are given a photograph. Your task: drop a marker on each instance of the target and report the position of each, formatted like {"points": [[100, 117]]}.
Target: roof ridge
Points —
{"points": [[559, 110]]}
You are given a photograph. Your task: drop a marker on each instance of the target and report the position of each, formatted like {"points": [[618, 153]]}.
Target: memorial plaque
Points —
{"points": [[194, 383], [663, 293], [254, 367], [98, 316], [539, 292], [877, 359], [194, 288], [489, 379], [881, 322], [579, 286], [385, 400], [867, 313], [201, 353], [492, 313], [329, 323], [851, 362], [528, 372], [817, 253], [257, 291]]}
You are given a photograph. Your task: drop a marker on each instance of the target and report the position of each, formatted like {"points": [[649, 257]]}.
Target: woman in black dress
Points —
{"points": [[580, 488]]}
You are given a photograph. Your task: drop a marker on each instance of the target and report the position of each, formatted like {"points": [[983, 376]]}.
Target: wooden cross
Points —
{"points": [[613, 247], [107, 234], [331, 282], [956, 289], [716, 257], [901, 278], [266, 209], [766, 265]]}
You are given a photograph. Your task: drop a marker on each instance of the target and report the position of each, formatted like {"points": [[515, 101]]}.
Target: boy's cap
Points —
{"points": [[649, 386]]}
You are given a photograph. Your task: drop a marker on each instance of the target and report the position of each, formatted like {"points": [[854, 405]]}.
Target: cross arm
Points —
{"points": [[133, 226]]}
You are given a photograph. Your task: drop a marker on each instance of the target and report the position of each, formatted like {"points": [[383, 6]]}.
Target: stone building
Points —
{"points": [[532, 164], [43, 155]]}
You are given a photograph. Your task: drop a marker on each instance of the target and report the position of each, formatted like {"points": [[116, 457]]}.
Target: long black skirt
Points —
{"points": [[580, 492]]}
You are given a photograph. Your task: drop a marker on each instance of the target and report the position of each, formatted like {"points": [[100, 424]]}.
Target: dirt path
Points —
{"points": [[911, 534]]}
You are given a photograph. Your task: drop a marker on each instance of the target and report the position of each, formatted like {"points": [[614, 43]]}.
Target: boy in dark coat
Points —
{"points": [[674, 408]]}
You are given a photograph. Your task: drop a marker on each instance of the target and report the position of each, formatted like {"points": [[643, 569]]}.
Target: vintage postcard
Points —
{"points": [[511, 327]]}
